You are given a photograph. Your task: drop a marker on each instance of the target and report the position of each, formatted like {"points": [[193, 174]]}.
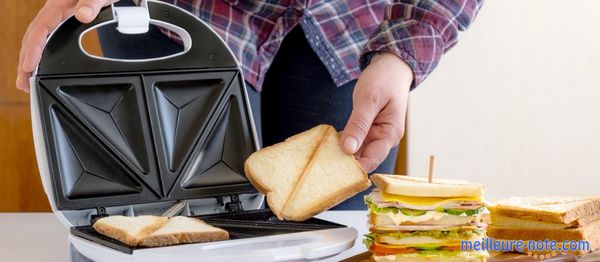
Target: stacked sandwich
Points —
{"points": [[559, 218], [414, 220]]}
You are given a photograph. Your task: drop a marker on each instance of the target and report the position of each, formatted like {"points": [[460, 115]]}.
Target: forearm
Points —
{"points": [[420, 33]]}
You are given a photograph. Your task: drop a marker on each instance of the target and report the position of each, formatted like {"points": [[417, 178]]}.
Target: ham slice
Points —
{"points": [[463, 205]]}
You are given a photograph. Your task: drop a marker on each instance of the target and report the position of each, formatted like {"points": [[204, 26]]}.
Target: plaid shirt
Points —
{"points": [[343, 33]]}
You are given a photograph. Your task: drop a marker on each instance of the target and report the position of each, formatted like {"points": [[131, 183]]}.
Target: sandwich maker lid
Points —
{"points": [[112, 132]]}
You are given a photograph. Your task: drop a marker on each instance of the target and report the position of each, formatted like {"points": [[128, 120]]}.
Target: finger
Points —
{"points": [[19, 83], [365, 109], [47, 19], [374, 154], [22, 76], [87, 10], [34, 41], [23, 81], [33, 47], [359, 152]]}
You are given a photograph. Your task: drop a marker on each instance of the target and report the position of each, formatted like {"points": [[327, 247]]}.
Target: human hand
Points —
{"points": [[48, 18], [378, 110]]}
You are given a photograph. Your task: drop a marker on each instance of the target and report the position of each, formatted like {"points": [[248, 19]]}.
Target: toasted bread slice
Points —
{"points": [[275, 170], [129, 230], [590, 233], [306, 174], [567, 210], [182, 230], [419, 186], [506, 221], [331, 177]]}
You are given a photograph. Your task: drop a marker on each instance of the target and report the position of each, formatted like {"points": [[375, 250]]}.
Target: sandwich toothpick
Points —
{"points": [[431, 162]]}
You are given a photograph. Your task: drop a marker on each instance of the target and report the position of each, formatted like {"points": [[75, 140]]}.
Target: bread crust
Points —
{"points": [[418, 186], [184, 238], [262, 189], [582, 215], [124, 236]]}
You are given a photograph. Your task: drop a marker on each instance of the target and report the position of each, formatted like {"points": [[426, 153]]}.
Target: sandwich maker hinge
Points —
{"points": [[100, 213], [234, 204]]}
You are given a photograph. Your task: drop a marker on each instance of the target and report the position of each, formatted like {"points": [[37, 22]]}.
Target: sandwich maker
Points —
{"points": [[156, 136]]}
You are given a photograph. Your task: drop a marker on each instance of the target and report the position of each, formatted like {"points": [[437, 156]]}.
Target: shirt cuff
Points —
{"points": [[419, 44]]}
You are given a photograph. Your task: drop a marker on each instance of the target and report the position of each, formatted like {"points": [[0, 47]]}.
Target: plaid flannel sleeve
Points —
{"points": [[420, 32]]}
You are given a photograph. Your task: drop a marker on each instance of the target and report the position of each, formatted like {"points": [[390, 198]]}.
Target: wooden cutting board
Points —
{"points": [[502, 257]]}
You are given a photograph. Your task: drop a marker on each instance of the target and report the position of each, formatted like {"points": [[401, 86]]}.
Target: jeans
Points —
{"points": [[297, 94]]}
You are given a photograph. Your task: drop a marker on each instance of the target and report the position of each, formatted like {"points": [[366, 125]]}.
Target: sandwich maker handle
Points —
{"points": [[64, 55]]}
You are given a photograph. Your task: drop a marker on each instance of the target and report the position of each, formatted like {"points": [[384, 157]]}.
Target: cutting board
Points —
{"points": [[502, 257]]}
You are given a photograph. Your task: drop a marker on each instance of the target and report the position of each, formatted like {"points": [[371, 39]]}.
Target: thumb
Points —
{"points": [[358, 126], [87, 10]]}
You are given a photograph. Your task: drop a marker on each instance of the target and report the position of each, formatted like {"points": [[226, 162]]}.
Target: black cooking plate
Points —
{"points": [[245, 224], [122, 132]]}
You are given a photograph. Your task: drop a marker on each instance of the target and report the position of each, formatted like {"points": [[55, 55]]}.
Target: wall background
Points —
{"points": [[20, 184], [516, 104]]}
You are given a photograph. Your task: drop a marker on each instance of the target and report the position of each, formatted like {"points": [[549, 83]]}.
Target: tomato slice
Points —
{"points": [[451, 248], [380, 250]]}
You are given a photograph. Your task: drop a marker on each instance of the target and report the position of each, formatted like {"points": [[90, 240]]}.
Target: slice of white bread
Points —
{"points": [[590, 233], [331, 177], [506, 221], [154, 231], [567, 210], [276, 169], [129, 230], [306, 174], [181, 230], [420, 187]]}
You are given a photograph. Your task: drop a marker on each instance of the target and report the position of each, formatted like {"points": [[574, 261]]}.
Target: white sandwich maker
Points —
{"points": [[122, 137]]}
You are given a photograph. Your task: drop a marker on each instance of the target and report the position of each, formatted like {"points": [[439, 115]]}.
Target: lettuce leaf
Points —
{"points": [[412, 212], [375, 209], [437, 234], [458, 212], [368, 241]]}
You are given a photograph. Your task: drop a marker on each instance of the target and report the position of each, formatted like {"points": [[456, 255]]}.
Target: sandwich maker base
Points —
{"points": [[255, 235], [141, 137], [241, 225]]}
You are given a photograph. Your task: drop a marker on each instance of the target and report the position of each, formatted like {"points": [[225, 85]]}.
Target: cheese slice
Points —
{"points": [[429, 218], [425, 201]]}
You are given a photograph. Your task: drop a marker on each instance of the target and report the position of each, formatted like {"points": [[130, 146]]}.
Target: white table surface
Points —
{"points": [[41, 237]]}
